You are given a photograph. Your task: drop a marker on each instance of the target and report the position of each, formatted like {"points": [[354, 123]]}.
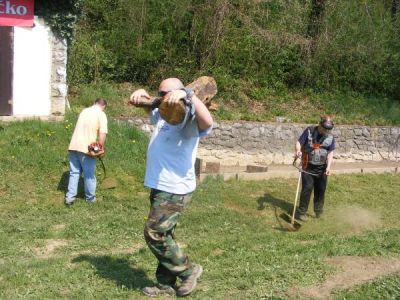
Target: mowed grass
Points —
{"points": [[234, 229]]}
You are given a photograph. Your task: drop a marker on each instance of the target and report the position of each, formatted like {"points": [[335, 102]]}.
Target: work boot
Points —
{"points": [[92, 201], [189, 284], [301, 217], [154, 291], [68, 203], [318, 215]]}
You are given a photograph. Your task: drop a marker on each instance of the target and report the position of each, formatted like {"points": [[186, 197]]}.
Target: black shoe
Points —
{"points": [[318, 215], [301, 217]]}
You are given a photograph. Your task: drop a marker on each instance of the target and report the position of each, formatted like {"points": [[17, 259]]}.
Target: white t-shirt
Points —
{"points": [[171, 155]]}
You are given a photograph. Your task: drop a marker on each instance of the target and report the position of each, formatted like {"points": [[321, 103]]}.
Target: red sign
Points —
{"points": [[16, 13]]}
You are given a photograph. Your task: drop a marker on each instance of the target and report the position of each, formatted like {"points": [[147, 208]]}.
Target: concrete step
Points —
{"points": [[288, 171]]}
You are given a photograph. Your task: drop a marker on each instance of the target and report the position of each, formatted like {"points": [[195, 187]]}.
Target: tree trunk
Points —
{"points": [[394, 10], [315, 21]]}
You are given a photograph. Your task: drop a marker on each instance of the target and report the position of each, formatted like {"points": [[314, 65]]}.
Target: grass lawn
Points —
{"points": [[233, 228]]}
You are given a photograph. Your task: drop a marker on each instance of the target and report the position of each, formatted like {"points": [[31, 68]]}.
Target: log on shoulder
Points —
{"points": [[205, 89]]}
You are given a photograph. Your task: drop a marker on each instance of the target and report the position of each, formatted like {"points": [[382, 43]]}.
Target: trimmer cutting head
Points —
{"points": [[290, 225], [293, 227]]}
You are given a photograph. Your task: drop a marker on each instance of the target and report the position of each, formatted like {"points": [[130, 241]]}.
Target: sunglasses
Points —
{"points": [[325, 131], [163, 93], [328, 128]]}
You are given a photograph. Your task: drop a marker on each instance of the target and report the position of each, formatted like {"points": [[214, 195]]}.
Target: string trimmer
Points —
{"points": [[95, 150], [106, 182], [294, 225]]}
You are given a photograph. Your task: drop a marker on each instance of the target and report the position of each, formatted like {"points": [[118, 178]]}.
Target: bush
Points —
{"points": [[254, 49]]}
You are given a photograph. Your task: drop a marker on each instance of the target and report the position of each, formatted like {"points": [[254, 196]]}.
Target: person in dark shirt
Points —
{"points": [[315, 146]]}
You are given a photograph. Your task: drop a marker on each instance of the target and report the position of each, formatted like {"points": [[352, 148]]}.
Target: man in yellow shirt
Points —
{"points": [[90, 127]]}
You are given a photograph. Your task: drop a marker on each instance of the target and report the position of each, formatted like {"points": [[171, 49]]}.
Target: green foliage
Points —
{"points": [[125, 41], [59, 15], [117, 97], [256, 50], [358, 49], [255, 103]]}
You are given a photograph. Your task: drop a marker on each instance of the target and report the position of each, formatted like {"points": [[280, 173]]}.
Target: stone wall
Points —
{"points": [[244, 143], [58, 83]]}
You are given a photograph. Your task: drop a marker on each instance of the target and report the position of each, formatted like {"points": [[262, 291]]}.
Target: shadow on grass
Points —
{"points": [[282, 211], [63, 185], [274, 202], [118, 270]]}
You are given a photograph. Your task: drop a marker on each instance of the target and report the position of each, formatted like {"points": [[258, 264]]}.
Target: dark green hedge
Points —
{"points": [[252, 48]]}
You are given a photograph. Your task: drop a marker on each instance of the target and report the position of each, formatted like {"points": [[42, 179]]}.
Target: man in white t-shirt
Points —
{"points": [[91, 127], [171, 176]]}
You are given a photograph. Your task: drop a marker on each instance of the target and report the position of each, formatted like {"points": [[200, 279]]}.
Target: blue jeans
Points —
{"points": [[80, 162]]}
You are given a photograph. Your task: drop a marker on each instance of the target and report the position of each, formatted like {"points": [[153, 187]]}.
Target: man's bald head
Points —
{"points": [[171, 84]]}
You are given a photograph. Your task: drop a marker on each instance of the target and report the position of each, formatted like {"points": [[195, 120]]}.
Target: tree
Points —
{"points": [[395, 8], [315, 21]]}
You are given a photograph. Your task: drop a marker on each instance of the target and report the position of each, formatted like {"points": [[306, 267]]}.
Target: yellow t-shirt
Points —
{"points": [[91, 122]]}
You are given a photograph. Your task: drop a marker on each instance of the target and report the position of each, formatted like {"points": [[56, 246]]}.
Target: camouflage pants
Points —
{"points": [[159, 235]]}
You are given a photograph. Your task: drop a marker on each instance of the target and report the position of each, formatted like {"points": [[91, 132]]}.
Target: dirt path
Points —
{"points": [[288, 171], [353, 271], [50, 247]]}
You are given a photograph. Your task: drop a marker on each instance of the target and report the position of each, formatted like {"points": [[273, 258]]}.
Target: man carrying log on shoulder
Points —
{"points": [[170, 175]]}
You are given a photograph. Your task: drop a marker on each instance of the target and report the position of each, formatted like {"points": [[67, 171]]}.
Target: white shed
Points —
{"points": [[32, 72]]}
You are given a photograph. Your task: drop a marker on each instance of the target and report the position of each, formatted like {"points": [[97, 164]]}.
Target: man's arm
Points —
{"points": [[329, 160], [135, 98], [300, 142], [297, 149], [203, 115], [102, 139]]}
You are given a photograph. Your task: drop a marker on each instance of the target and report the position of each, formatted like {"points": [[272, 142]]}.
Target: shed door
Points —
{"points": [[6, 70]]}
